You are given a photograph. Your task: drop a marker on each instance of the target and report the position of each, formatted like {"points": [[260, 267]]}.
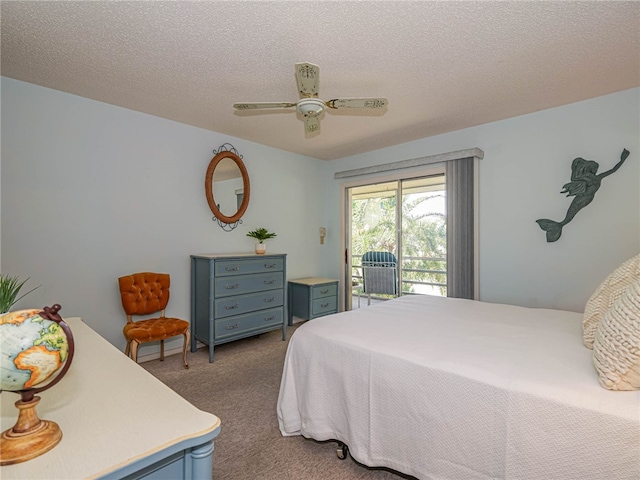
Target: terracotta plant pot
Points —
{"points": [[261, 248]]}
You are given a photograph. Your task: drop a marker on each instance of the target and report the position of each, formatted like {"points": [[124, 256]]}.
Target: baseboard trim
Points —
{"points": [[167, 353]]}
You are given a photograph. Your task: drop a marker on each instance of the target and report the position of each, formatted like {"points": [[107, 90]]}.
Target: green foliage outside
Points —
{"points": [[424, 238]]}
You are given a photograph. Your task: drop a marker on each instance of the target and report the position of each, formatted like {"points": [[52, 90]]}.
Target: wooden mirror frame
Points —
{"points": [[208, 187]]}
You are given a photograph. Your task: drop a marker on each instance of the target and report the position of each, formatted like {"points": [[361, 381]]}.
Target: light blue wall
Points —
{"points": [[91, 192], [527, 161]]}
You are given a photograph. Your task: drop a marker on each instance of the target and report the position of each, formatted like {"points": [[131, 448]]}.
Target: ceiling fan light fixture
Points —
{"points": [[310, 106]]}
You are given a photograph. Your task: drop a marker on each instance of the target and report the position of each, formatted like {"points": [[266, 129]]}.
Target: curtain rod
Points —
{"points": [[414, 162]]}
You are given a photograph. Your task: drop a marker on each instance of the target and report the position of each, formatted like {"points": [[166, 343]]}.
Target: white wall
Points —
{"points": [[91, 192], [527, 161]]}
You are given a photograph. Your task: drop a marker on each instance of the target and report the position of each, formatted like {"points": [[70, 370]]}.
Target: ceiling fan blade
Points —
{"points": [[308, 78], [357, 103], [253, 106], [312, 123]]}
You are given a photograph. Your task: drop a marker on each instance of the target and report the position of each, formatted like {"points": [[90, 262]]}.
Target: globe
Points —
{"points": [[32, 349], [34, 345]]}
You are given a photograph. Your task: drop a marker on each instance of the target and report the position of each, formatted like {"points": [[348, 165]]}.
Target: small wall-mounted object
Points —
{"points": [[323, 233], [583, 186], [227, 187]]}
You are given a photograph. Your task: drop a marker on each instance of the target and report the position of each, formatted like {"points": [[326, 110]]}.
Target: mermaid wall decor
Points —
{"points": [[583, 186]]}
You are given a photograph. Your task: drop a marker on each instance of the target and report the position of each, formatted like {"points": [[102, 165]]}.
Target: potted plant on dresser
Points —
{"points": [[261, 234]]}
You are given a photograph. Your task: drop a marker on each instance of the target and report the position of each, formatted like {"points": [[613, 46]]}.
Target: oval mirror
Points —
{"points": [[227, 187]]}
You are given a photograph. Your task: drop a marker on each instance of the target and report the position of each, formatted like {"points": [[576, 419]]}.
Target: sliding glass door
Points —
{"points": [[398, 225]]}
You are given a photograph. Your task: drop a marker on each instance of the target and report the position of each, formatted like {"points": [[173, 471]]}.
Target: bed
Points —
{"points": [[443, 388]]}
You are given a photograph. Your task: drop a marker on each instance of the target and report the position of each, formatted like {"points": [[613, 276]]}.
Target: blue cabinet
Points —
{"points": [[312, 297], [236, 296]]}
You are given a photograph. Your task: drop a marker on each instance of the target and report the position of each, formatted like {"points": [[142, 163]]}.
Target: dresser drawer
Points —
{"points": [[325, 305], [234, 326], [320, 291], [237, 285], [227, 306], [242, 267]]}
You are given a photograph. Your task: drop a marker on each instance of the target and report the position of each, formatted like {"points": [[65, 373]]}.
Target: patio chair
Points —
{"points": [[379, 274]]}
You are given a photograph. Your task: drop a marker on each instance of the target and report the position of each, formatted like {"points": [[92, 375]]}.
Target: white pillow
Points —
{"points": [[616, 348], [602, 299]]}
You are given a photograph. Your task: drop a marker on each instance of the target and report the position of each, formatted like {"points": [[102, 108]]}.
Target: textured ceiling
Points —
{"points": [[442, 65]]}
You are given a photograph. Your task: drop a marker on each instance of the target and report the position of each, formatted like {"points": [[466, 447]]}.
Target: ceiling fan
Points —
{"points": [[309, 105]]}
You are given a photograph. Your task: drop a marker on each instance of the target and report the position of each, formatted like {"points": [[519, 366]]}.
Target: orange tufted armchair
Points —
{"points": [[145, 294]]}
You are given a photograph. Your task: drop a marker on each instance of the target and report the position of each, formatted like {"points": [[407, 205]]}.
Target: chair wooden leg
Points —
{"points": [[134, 350], [185, 348], [161, 350], [127, 350]]}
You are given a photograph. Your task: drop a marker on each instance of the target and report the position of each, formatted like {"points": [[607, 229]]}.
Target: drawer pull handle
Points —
{"points": [[270, 282], [324, 291], [269, 265], [323, 305], [266, 319], [231, 307], [232, 269], [232, 287], [269, 300], [231, 327]]}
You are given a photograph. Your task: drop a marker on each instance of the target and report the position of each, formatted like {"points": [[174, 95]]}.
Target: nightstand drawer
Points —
{"points": [[242, 267], [325, 305], [227, 286], [255, 321], [330, 290], [227, 306]]}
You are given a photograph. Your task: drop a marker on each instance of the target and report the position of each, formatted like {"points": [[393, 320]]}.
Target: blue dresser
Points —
{"points": [[235, 296]]}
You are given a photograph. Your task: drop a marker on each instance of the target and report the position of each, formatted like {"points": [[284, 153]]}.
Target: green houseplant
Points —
{"points": [[261, 234], [9, 290]]}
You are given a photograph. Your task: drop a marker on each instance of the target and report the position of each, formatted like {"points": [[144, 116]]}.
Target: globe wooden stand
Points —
{"points": [[29, 437]]}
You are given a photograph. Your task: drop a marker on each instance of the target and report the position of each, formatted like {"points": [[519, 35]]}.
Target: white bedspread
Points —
{"points": [[443, 388]]}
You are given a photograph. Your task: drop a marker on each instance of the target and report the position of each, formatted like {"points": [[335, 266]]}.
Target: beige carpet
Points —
{"points": [[241, 388]]}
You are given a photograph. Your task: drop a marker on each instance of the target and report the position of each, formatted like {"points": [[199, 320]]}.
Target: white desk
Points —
{"points": [[117, 421]]}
